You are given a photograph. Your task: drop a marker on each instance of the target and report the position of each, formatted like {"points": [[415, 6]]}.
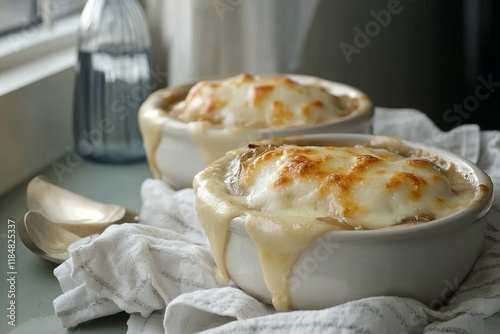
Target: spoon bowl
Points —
{"points": [[58, 218], [78, 214], [46, 238]]}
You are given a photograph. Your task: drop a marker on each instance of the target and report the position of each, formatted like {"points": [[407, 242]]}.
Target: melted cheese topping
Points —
{"points": [[290, 195], [362, 187], [260, 102]]}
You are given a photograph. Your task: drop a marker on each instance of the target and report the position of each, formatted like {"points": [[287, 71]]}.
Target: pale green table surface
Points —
{"points": [[36, 286]]}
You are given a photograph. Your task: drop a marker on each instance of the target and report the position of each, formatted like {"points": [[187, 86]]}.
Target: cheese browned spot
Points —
{"points": [[290, 195], [484, 188], [244, 77], [281, 114], [419, 163], [405, 179], [308, 109], [289, 83], [439, 202], [261, 93]]}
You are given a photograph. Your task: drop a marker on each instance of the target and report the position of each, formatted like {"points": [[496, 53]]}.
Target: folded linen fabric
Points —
{"points": [[160, 271]]}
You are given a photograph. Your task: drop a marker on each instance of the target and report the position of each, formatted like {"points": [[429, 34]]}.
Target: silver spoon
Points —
{"points": [[57, 218]]}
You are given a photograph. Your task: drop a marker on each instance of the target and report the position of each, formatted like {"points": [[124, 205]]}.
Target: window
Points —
{"points": [[16, 15], [63, 8], [37, 55]]}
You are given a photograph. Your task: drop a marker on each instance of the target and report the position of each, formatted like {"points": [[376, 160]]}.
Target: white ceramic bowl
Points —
{"points": [[175, 154], [417, 261]]}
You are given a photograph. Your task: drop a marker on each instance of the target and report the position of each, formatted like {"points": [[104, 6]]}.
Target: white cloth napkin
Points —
{"points": [[161, 273]]}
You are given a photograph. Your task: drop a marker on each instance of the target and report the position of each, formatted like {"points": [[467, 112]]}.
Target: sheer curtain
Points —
{"points": [[225, 37]]}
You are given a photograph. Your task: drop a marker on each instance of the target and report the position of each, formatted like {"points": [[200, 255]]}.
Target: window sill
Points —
{"points": [[32, 55], [39, 69]]}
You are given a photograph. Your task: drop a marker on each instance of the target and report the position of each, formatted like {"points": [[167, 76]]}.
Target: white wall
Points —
{"points": [[35, 127]]}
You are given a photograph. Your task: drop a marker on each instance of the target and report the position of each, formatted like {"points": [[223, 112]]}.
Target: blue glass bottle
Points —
{"points": [[113, 78]]}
